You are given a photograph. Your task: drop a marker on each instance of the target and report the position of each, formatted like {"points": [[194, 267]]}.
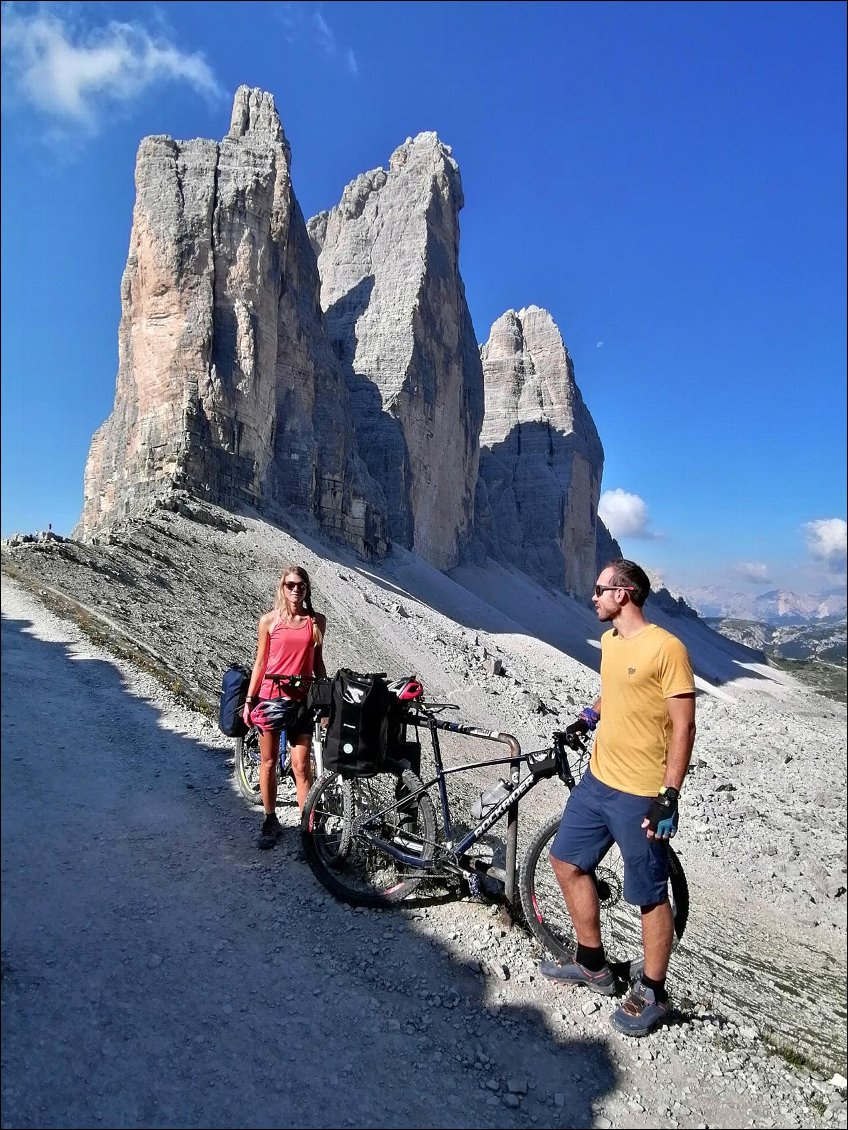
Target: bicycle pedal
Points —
{"points": [[475, 887]]}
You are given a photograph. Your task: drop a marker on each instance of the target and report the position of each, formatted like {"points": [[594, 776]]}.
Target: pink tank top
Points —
{"points": [[291, 652]]}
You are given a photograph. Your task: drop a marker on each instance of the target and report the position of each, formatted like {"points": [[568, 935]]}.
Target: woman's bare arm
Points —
{"points": [[318, 668], [263, 642]]}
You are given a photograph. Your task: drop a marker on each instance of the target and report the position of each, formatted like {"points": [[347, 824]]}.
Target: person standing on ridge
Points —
{"points": [[628, 795], [289, 654]]}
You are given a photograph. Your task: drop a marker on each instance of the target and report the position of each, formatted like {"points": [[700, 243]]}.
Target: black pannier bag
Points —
{"points": [[358, 729], [234, 686]]}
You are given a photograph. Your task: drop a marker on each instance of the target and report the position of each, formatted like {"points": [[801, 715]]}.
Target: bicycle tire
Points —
{"points": [[246, 761], [343, 860], [546, 914]]}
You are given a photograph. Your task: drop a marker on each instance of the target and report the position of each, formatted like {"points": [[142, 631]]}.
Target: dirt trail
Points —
{"points": [[159, 971]]}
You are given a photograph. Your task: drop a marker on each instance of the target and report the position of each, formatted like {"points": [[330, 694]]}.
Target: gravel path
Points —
{"points": [[159, 971]]}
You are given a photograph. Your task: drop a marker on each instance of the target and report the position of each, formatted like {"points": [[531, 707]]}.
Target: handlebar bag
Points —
{"points": [[320, 696]]}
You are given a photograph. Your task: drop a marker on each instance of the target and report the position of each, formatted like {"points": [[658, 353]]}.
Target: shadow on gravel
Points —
{"points": [[159, 971]]}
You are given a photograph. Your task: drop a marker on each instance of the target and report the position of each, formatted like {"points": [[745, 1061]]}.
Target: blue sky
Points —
{"points": [[667, 179]]}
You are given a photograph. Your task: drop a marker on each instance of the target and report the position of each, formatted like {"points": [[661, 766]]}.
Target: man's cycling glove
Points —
{"points": [[662, 815]]}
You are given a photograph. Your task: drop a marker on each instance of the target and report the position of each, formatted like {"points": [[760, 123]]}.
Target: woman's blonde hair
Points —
{"points": [[280, 606]]}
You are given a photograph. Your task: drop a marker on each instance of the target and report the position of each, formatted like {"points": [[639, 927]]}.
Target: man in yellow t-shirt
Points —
{"points": [[645, 729]]}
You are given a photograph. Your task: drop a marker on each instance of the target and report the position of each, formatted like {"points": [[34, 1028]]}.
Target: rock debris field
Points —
{"points": [[160, 971]]}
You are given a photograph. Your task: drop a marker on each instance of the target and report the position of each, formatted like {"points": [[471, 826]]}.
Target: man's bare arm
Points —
{"points": [[681, 711]]}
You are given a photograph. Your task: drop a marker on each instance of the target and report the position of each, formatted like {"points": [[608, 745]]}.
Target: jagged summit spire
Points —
{"points": [[427, 140], [396, 311], [228, 387], [426, 151], [255, 112], [541, 457]]}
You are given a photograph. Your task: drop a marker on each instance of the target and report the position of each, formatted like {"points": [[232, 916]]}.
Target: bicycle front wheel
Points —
{"points": [[621, 923], [350, 855]]}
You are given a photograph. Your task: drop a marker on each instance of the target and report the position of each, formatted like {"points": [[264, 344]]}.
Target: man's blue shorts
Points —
{"points": [[597, 816]]}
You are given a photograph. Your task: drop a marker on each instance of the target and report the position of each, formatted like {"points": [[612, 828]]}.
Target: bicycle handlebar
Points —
{"points": [[573, 741], [291, 682]]}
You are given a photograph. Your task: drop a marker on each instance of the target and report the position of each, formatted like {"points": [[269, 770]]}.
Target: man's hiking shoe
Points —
{"points": [[572, 973], [640, 1013], [272, 831]]}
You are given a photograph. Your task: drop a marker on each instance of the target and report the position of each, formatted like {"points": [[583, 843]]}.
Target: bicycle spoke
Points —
{"points": [[379, 812], [620, 921]]}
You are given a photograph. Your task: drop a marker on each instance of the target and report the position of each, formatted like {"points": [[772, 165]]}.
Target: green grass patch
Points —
{"points": [[105, 636], [823, 678], [788, 1053]]}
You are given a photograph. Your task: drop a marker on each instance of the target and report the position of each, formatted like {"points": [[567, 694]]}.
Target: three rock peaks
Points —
{"points": [[330, 369]]}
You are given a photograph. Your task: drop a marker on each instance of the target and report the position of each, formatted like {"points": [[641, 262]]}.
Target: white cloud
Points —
{"points": [[752, 571], [77, 74], [826, 542], [625, 515], [599, 345], [300, 25]]}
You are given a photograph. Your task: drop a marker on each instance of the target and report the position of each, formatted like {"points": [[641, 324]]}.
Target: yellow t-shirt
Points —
{"points": [[637, 676]]}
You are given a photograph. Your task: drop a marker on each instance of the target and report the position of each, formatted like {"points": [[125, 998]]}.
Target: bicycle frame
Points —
{"points": [[455, 854], [283, 758]]}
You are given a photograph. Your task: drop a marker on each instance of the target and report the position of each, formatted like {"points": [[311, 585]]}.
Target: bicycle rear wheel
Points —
{"points": [[247, 761], [621, 928], [383, 809]]}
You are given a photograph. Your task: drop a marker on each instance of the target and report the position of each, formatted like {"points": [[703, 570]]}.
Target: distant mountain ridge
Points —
{"points": [[775, 607]]}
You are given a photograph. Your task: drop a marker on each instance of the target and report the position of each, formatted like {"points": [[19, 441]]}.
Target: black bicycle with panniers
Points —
{"points": [[388, 841]]}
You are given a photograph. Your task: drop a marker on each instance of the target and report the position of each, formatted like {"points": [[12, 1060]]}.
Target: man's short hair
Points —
{"points": [[631, 576]]}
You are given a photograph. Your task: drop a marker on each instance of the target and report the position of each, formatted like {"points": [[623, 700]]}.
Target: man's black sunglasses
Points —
{"points": [[612, 588]]}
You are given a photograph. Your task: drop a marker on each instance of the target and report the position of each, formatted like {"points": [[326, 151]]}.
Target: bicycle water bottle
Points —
{"points": [[490, 798]]}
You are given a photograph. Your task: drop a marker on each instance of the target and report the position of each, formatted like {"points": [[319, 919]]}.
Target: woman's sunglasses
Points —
{"points": [[292, 585]]}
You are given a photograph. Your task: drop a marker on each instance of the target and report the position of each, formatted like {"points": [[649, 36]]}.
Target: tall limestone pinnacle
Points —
{"points": [[331, 370], [227, 384], [395, 307], [541, 458]]}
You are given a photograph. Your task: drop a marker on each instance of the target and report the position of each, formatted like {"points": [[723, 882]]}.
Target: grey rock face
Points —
{"points": [[541, 459], [235, 387], [227, 385], [608, 548], [396, 311]]}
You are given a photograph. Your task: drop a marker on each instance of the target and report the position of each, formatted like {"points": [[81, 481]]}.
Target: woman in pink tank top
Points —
{"points": [[288, 657]]}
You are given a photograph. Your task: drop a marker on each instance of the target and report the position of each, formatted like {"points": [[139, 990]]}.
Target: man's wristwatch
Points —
{"points": [[670, 793]]}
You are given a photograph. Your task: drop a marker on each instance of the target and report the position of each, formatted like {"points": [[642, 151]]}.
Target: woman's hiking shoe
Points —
{"points": [[272, 831], [572, 973], [640, 1013]]}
